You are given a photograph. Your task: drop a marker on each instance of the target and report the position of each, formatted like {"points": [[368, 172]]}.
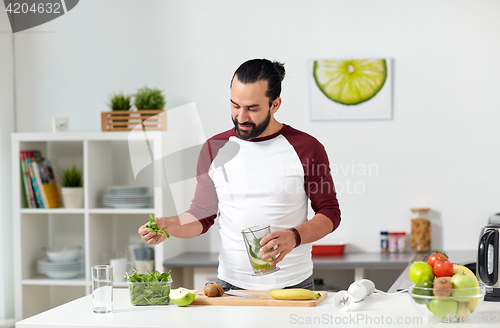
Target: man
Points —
{"points": [[260, 172]]}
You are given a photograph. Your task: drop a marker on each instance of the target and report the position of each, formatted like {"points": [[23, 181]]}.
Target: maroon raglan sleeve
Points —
{"points": [[204, 205], [318, 182]]}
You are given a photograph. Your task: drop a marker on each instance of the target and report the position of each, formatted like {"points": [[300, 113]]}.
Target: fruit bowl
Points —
{"points": [[462, 302]]}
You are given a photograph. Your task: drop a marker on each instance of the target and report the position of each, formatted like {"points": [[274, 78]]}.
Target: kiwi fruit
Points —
{"points": [[210, 290], [213, 290], [220, 289], [442, 287]]}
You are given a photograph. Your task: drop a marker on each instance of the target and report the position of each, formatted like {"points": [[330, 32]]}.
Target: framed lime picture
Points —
{"points": [[351, 89]]}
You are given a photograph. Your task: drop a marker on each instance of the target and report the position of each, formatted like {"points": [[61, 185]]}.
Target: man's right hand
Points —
{"points": [[183, 226], [152, 237]]}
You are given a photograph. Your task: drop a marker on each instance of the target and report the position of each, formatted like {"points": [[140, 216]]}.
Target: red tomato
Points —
{"points": [[443, 268], [435, 257]]}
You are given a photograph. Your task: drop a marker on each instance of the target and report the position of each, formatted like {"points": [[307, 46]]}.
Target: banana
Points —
{"points": [[463, 310], [473, 303], [462, 269], [293, 294]]}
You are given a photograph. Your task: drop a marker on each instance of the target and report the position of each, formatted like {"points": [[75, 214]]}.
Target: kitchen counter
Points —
{"points": [[345, 261], [357, 261], [363, 260], [193, 259], [375, 310]]}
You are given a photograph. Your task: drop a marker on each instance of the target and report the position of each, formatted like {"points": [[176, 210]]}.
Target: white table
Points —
{"points": [[376, 310]]}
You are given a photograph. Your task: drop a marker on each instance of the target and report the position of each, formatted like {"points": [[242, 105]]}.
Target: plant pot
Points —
{"points": [[72, 197], [121, 120]]}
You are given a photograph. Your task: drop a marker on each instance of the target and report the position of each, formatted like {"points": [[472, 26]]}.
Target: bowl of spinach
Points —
{"points": [[149, 289]]}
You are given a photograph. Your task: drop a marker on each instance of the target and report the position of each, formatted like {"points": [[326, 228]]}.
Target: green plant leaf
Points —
{"points": [[71, 177], [119, 101], [147, 98]]}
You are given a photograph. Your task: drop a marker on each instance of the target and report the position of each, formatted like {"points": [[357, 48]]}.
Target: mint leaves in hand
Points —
{"points": [[153, 226]]}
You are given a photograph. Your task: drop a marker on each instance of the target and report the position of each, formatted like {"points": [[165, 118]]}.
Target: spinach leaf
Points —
{"points": [[153, 226], [149, 289], [255, 250]]}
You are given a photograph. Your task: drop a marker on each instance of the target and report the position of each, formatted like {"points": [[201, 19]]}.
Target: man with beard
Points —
{"points": [[260, 172]]}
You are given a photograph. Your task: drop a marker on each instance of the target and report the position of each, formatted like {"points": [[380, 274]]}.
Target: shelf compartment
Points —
{"points": [[48, 230], [62, 155], [109, 165], [112, 234]]}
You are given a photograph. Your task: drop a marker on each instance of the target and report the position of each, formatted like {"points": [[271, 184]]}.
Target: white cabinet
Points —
{"points": [[100, 231]]}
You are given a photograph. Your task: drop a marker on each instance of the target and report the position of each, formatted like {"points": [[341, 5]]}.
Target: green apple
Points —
{"points": [[441, 308], [423, 288], [421, 271], [181, 296], [464, 286]]}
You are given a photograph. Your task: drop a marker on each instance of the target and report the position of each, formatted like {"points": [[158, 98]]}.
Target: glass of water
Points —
{"points": [[102, 288]]}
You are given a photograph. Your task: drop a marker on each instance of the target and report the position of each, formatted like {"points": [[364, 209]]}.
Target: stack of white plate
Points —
{"points": [[128, 197], [61, 269]]}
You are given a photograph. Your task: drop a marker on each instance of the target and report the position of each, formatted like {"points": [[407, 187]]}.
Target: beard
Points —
{"points": [[256, 130]]}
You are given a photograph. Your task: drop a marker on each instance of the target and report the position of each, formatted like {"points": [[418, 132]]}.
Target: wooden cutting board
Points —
{"points": [[264, 299]]}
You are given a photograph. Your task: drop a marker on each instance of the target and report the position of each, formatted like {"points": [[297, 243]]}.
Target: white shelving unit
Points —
{"points": [[99, 231]]}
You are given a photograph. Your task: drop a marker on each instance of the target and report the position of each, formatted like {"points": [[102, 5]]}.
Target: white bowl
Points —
{"points": [[63, 254]]}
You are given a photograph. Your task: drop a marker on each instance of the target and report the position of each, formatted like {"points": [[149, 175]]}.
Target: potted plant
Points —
{"points": [[72, 187], [149, 114], [119, 101], [147, 98]]}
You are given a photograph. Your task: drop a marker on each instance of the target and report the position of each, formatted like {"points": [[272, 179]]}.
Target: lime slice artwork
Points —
{"points": [[350, 82], [351, 89]]}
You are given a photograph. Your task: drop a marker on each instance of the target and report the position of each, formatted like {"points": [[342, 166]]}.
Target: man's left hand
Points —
{"points": [[282, 241]]}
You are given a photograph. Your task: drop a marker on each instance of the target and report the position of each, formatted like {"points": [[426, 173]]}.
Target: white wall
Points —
{"points": [[440, 150], [6, 128]]}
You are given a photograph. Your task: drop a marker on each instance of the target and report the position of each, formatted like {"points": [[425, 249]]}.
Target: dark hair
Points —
{"points": [[255, 70]]}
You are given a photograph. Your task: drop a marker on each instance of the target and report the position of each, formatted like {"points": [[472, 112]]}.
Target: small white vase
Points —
{"points": [[72, 197]]}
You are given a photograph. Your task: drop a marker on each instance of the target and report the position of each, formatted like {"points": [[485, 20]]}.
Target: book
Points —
{"points": [[49, 184], [24, 178], [38, 182], [29, 154], [37, 164], [39, 203]]}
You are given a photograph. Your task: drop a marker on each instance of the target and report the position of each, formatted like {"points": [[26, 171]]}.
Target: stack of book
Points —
{"points": [[40, 186]]}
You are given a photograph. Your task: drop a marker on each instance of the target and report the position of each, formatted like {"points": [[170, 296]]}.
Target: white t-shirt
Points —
{"points": [[262, 181]]}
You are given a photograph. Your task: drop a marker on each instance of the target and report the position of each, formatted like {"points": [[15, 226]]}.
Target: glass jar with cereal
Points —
{"points": [[420, 230]]}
